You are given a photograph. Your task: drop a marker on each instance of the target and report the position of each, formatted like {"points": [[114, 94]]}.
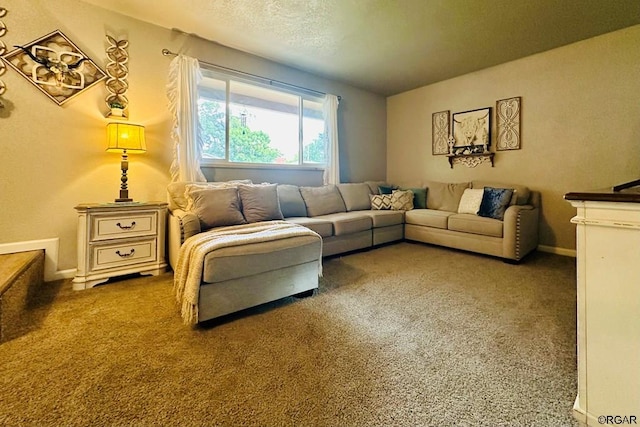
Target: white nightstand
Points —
{"points": [[119, 238]]}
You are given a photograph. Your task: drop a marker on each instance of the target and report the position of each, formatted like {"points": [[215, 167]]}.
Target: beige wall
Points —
{"points": [[580, 125], [53, 157]]}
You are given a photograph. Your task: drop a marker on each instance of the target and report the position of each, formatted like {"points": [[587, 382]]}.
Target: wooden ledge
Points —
{"points": [[13, 265]]}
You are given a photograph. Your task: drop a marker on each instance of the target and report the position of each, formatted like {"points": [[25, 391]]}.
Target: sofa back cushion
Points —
{"points": [[260, 202], [291, 201], [322, 200], [521, 193], [355, 196], [216, 207], [444, 196]]}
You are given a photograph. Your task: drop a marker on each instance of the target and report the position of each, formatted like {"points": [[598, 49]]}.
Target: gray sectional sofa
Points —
{"points": [[347, 217], [343, 217]]}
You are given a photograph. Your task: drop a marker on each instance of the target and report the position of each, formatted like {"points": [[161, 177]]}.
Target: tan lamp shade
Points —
{"points": [[124, 136]]}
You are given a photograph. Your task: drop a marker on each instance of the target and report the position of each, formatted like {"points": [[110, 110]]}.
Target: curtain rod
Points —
{"points": [[167, 52]]}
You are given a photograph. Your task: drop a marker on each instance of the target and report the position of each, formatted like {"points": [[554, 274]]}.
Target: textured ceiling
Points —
{"points": [[387, 46]]}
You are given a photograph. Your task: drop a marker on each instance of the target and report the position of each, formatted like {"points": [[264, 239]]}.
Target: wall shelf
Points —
{"points": [[470, 160]]}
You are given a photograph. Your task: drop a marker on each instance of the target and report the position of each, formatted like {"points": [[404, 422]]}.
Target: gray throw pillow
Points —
{"points": [[260, 202], [291, 201], [216, 207], [322, 200]]}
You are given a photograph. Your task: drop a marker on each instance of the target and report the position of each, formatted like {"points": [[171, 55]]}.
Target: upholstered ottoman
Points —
{"points": [[249, 268]]}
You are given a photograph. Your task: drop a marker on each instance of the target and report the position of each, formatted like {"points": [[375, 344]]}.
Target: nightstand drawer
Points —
{"points": [[132, 225], [123, 254]]}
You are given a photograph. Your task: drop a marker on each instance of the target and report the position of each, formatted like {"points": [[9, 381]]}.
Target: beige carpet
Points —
{"points": [[404, 335]]}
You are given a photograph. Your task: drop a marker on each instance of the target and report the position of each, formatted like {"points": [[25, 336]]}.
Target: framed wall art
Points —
{"points": [[508, 114], [56, 66], [440, 133], [472, 131]]}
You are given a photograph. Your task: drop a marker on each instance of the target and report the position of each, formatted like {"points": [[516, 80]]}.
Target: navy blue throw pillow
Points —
{"points": [[494, 202]]}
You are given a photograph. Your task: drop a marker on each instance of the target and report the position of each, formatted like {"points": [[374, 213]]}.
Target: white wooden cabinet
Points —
{"points": [[608, 261], [119, 238]]}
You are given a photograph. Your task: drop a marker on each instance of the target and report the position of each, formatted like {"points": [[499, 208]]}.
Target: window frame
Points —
{"points": [[227, 78]]}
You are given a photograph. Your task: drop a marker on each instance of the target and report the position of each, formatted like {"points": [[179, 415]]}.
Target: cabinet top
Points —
{"points": [[628, 192], [120, 205]]}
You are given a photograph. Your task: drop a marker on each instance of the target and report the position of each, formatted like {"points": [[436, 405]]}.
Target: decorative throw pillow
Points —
{"points": [[470, 201], [206, 185], [402, 200], [260, 202], [386, 189], [380, 201], [216, 207], [419, 197], [494, 202]]}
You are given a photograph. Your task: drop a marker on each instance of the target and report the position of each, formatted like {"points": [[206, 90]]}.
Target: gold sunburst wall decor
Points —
{"points": [[508, 115], [56, 66]]}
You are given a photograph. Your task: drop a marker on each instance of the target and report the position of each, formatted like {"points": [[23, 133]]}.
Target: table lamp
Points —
{"points": [[125, 138]]}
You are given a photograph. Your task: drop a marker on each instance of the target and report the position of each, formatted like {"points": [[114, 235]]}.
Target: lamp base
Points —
{"points": [[124, 200]]}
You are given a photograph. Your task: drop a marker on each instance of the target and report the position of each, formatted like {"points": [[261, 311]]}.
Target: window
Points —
{"points": [[246, 122]]}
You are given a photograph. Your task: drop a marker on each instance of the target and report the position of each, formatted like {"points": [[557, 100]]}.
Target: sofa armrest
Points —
{"points": [[520, 233], [182, 225]]}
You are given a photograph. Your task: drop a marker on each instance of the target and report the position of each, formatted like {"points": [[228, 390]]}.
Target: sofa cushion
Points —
{"points": [[402, 200], [260, 202], [355, 196], [428, 217], [349, 222], [291, 201], [470, 201], [322, 200], [323, 227], [216, 207], [444, 196], [470, 223], [385, 218], [494, 202], [521, 193], [247, 260], [381, 201]]}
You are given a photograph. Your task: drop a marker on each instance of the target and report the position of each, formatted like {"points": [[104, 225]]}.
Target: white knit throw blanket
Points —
{"points": [[188, 272]]}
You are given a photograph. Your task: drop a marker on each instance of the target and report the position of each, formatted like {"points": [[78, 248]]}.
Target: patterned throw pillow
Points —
{"points": [[380, 201], [494, 202], [470, 201], [402, 200]]}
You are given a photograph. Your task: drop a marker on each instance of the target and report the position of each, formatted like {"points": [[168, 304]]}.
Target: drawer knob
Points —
{"points": [[125, 255], [126, 227]]}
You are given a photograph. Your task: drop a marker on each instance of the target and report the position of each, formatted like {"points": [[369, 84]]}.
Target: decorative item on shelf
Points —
{"points": [[3, 50], [470, 141], [125, 138], [508, 114], [472, 131], [471, 160], [440, 132], [118, 71], [56, 66]]}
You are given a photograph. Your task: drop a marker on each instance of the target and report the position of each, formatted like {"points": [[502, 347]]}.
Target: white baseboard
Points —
{"points": [[50, 247], [557, 251]]}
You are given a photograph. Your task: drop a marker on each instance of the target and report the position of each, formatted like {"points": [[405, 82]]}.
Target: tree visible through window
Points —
{"points": [[264, 125]]}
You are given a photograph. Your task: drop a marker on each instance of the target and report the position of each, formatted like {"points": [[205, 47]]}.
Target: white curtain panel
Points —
{"points": [[330, 112], [182, 91]]}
